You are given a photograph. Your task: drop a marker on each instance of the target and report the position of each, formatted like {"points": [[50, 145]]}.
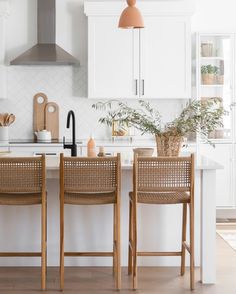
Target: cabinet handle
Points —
{"points": [[143, 90], [136, 87]]}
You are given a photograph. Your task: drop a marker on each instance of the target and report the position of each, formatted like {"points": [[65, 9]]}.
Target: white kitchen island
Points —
{"points": [[90, 228]]}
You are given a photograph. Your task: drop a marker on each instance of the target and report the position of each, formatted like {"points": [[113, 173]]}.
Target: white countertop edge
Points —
{"points": [[205, 163]]}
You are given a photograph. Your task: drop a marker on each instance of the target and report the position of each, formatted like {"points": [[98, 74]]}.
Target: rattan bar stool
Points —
{"points": [[23, 182], [162, 180], [91, 181]]}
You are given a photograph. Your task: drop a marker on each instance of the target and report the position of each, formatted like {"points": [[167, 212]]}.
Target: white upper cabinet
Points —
{"points": [[154, 62], [165, 58], [111, 60]]}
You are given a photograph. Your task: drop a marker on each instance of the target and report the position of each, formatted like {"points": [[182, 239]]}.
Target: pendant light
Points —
{"points": [[131, 17]]}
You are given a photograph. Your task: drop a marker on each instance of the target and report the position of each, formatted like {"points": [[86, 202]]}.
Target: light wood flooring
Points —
{"points": [[99, 280]]}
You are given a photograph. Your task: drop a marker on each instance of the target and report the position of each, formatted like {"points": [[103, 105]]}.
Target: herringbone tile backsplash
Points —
{"points": [[66, 86]]}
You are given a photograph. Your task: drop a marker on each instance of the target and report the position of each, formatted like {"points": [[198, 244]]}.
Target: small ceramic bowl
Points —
{"points": [[144, 151]]}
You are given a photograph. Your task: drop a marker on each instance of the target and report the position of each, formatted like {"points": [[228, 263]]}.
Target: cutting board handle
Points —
{"points": [[40, 101]]}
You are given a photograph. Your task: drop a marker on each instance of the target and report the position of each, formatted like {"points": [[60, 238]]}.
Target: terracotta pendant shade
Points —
{"points": [[131, 17]]}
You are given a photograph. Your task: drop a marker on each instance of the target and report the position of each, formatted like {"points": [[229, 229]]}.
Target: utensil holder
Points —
{"points": [[4, 134]]}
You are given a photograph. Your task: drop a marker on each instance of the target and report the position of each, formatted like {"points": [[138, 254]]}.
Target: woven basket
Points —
{"points": [[168, 145], [208, 79]]}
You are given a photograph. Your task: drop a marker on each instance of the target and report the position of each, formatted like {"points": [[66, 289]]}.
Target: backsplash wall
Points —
{"points": [[66, 86]]}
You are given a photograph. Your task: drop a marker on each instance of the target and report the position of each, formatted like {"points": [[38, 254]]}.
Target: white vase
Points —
{"points": [[4, 134]]}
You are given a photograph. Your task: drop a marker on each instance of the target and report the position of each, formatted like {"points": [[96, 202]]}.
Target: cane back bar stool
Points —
{"points": [[162, 180], [91, 181], [23, 182]]}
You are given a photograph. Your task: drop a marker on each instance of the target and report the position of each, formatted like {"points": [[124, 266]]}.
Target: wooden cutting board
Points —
{"points": [[52, 119], [40, 101]]}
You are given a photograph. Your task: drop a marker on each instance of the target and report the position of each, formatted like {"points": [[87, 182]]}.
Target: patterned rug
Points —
{"points": [[229, 236]]}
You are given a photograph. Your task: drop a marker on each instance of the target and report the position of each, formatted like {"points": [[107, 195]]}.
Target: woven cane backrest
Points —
{"points": [[163, 173], [21, 175], [90, 174]]}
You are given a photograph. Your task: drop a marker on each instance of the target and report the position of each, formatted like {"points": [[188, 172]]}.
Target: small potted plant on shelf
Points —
{"points": [[196, 117], [209, 74]]}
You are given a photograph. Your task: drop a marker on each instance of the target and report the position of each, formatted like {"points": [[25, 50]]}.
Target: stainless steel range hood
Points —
{"points": [[46, 52]]}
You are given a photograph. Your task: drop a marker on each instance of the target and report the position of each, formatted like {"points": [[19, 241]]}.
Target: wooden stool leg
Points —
{"points": [[118, 267], [134, 249], [61, 245], [184, 221], [192, 278], [130, 257], [114, 239], [46, 257], [43, 244]]}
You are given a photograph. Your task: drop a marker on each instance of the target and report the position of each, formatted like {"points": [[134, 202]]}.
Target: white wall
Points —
{"points": [[67, 85], [214, 15]]}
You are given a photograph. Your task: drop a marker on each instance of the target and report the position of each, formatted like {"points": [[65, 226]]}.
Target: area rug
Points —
{"points": [[229, 236]]}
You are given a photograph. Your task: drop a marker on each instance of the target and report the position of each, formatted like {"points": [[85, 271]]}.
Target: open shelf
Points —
{"points": [[212, 86], [212, 58]]}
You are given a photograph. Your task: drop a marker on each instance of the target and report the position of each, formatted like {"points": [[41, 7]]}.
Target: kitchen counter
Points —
{"points": [[84, 225], [125, 142], [201, 163]]}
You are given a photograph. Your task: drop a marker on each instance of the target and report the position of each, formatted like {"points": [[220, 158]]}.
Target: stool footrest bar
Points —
{"points": [[108, 254], [20, 254], [159, 253]]}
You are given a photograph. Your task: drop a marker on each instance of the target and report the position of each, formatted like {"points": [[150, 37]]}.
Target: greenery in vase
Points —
{"points": [[200, 117], [209, 69]]}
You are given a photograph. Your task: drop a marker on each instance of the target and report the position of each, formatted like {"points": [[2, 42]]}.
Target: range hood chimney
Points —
{"points": [[46, 52]]}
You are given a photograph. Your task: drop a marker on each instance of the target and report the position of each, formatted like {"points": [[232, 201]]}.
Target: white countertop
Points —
{"points": [[52, 162]]}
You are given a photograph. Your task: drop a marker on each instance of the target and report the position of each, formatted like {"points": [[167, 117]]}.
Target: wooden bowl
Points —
{"points": [[143, 151]]}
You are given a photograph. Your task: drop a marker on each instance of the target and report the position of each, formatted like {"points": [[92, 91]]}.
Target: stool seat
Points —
{"points": [[20, 198], [90, 198], [162, 197]]}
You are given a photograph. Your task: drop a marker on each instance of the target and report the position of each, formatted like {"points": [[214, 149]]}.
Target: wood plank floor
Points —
{"points": [[99, 280]]}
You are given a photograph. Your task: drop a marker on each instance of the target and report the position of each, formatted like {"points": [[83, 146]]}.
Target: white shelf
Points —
{"points": [[212, 58], [212, 86]]}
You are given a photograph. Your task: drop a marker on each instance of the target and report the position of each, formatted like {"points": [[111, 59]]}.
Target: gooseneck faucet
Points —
{"points": [[73, 146]]}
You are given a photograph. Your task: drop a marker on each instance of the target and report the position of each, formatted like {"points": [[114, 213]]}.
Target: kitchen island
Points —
{"points": [[90, 228]]}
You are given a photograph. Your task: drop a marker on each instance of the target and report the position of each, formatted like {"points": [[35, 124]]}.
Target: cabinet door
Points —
{"points": [[165, 58], [223, 154], [112, 70]]}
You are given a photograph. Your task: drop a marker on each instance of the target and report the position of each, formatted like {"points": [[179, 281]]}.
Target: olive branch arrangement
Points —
{"points": [[197, 116]]}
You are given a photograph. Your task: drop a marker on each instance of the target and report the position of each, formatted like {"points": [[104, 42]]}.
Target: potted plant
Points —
{"points": [[196, 117], [209, 73]]}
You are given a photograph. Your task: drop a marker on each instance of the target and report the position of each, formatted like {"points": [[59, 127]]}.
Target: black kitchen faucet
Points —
{"points": [[72, 146]]}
